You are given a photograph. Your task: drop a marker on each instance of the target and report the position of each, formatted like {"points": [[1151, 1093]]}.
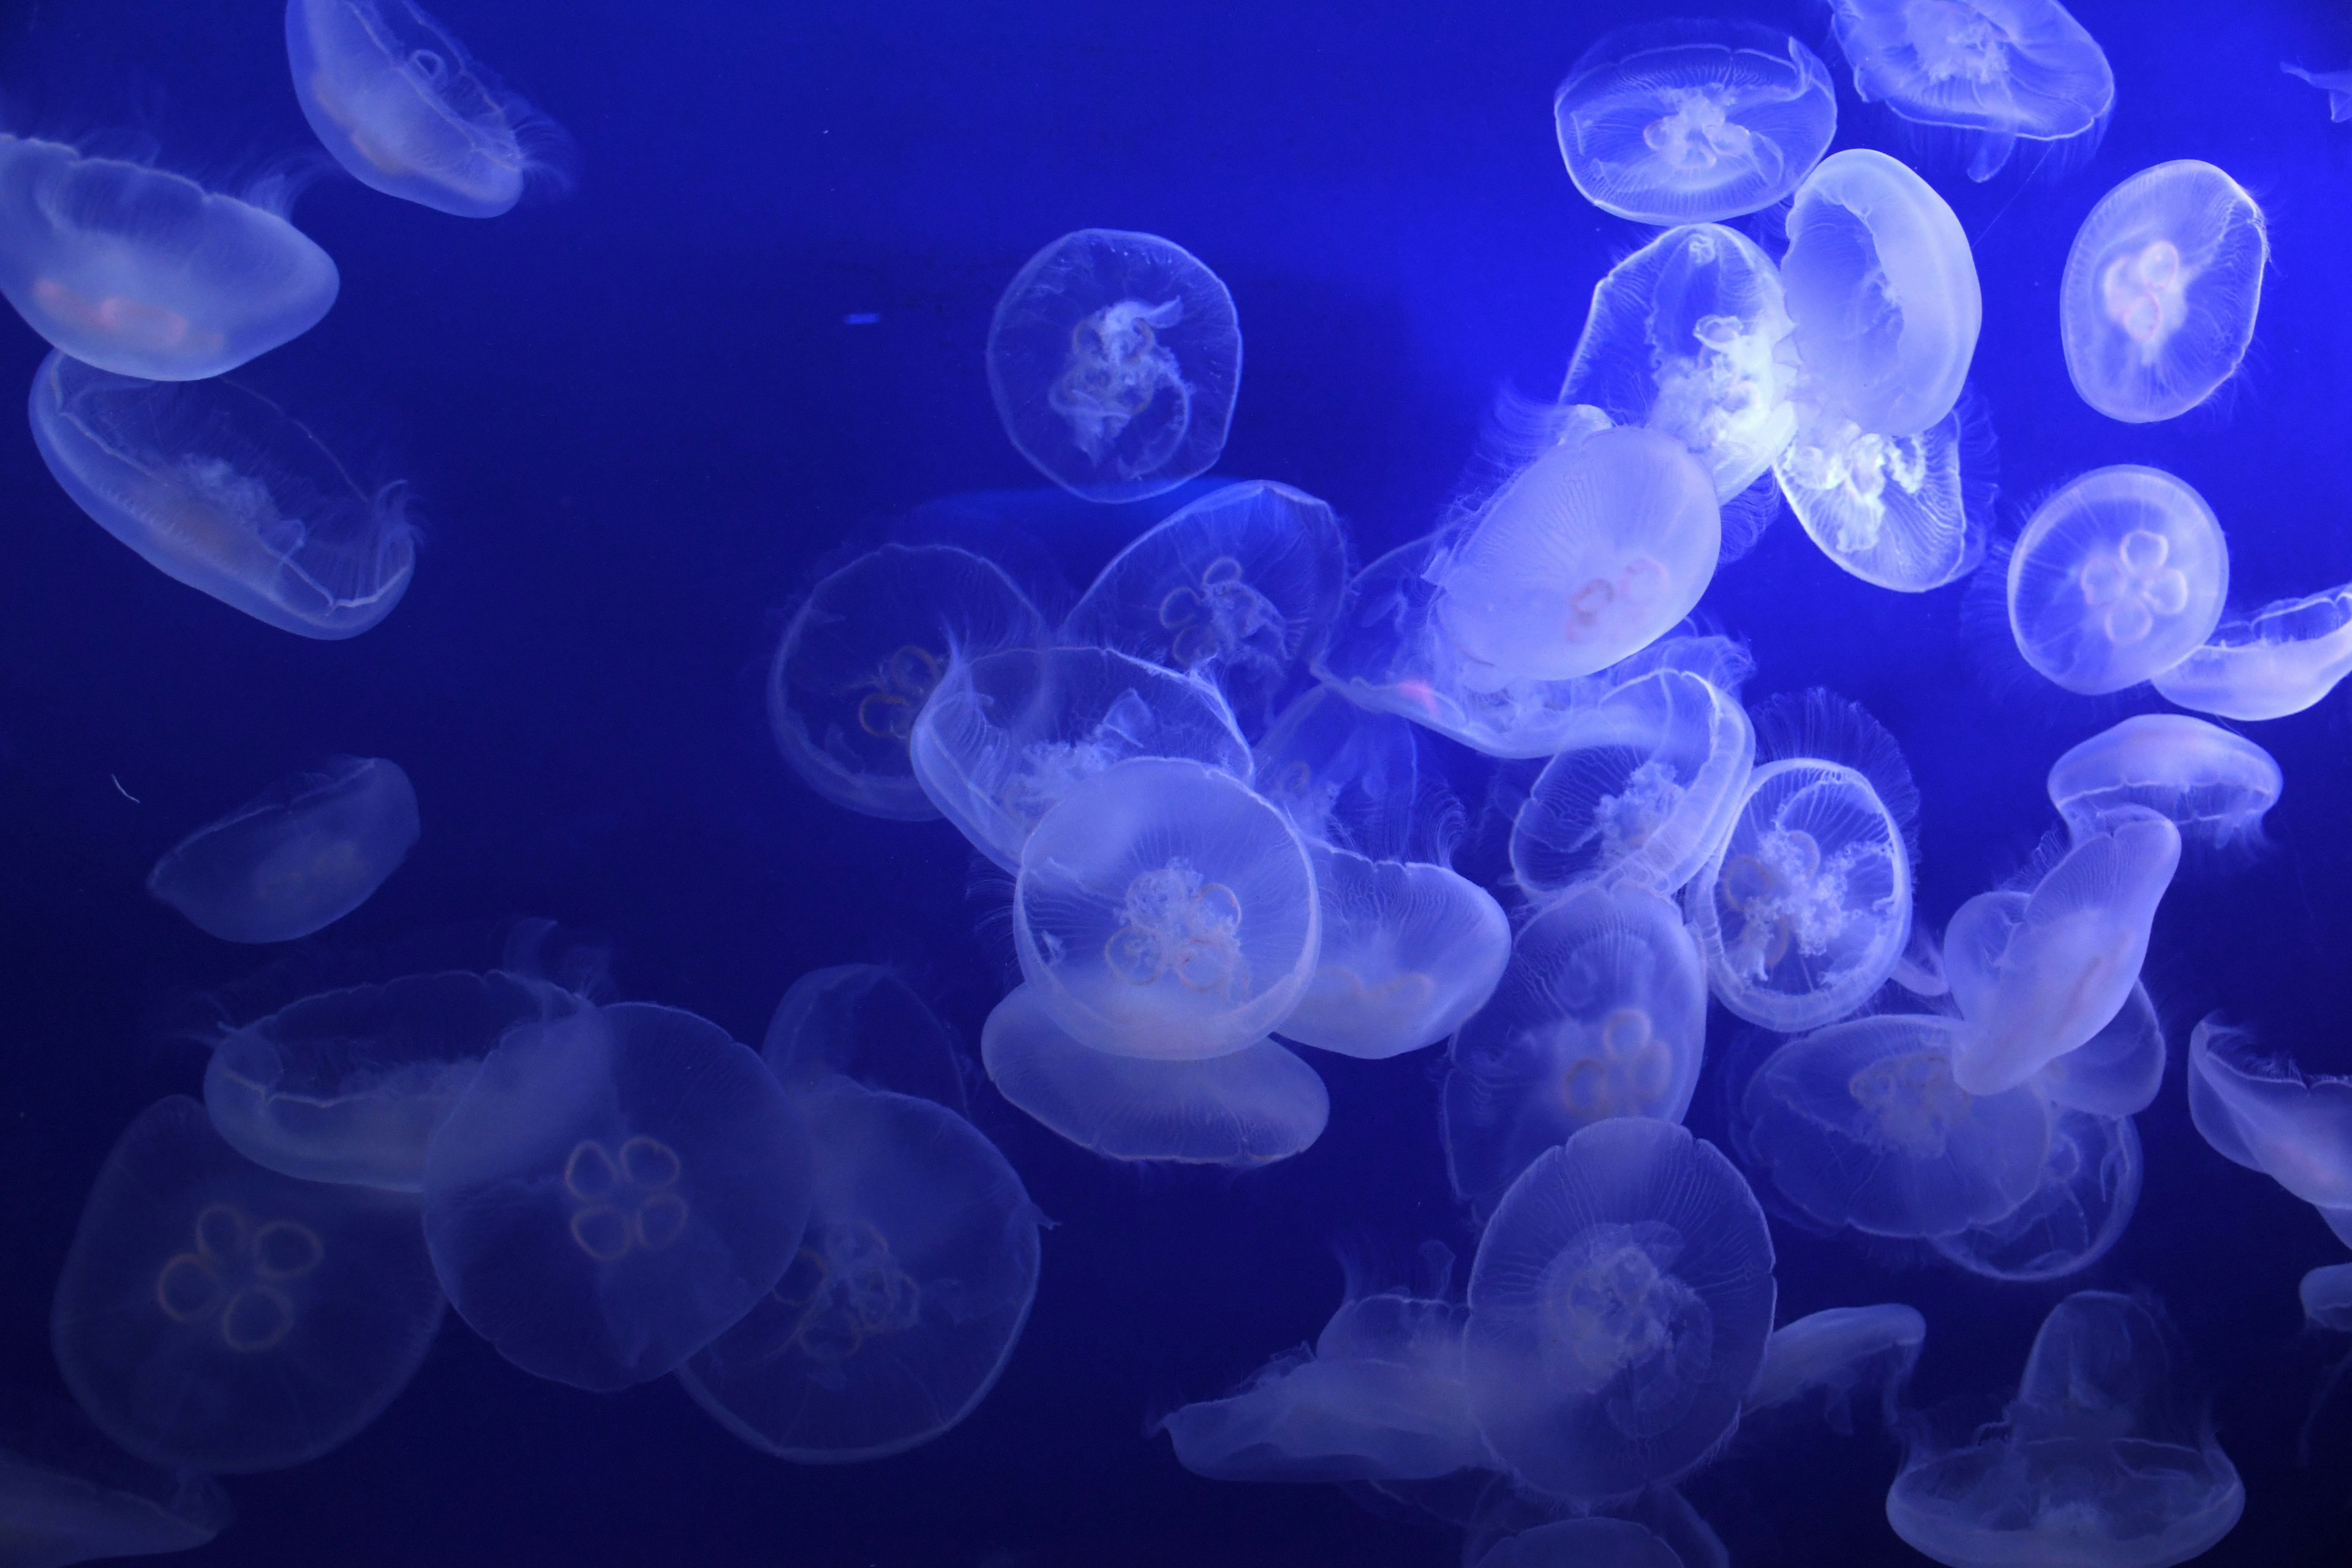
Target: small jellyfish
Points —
{"points": [[407, 112], [1837, 1351], [216, 1316], [220, 489], [2268, 1116], [1409, 951], [864, 653], [2337, 85], [1893, 511], [1619, 1308], [2119, 1071], [297, 857], [1114, 358], [68, 1495], [1582, 1543], [2089, 1188], [1692, 122], [614, 1190], [2281, 660], [2158, 298], [141, 273], [2326, 1295], [2117, 577], [2213, 785], [862, 1022], [1345, 777], [1601, 1013]]}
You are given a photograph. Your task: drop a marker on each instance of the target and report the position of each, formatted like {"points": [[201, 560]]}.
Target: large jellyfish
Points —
{"points": [[2117, 1071], [1901, 511], [863, 1022], [68, 1495], [613, 1191], [1582, 1543], [147, 274], [1837, 1351], [216, 1316], [1347, 776], [1114, 358], [1409, 950], [1601, 1013], [1619, 1309], [1693, 122], [2090, 1186], [220, 489], [2117, 577], [297, 857], [2267, 1115], [2281, 660], [2161, 291], [2213, 785]]}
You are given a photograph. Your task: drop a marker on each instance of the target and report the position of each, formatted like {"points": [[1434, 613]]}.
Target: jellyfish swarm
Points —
{"points": [[862, 1022], [2117, 1071], [1601, 1013], [2089, 1189], [1837, 1351], [70, 1496], [2117, 577], [2000, 70], [862, 656], [1693, 122], [1582, 1543], [2096, 1464], [216, 1316], [296, 858], [1343, 774], [1893, 511], [1114, 358], [2268, 1116], [2158, 298], [1619, 1306], [219, 489], [1409, 951], [2281, 660], [614, 1190], [2213, 785], [407, 112], [2337, 85], [146, 274]]}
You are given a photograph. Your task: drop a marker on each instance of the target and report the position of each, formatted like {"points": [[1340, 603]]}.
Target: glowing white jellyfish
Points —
{"points": [[1893, 511], [2117, 1071], [2269, 1116], [1837, 1351], [2213, 785], [2278, 660], [1345, 775], [2117, 577], [2089, 1189], [1409, 951]]}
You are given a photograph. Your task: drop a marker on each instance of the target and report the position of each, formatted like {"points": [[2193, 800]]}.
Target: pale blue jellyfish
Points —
{"points": [[1409, 951], [1582, 1543], [2337, 85], [2267, 1115], [2089, 1189], [863, 1022], [2117, 1071], [70, 1496], [2117, 577], [1345, 775], [2326, 1296], [2278, 660], [1893, 511], [2215, 787], [1834, 1353], [297, 857]]}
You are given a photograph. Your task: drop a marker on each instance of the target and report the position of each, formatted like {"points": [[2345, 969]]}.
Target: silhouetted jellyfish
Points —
{"points": [[2089, 1188], [2213, 785], [2119, 1071], [1619, 1306], [2279, 661], [295, 859], [2337, 85], [1864, 1124], [613, 1191], [148, 274], [1582, 1543], [1601, 1013], [1864, 226], [1836, 1353], [216, 1316], [2000, 70], [904, 1301], [1409, 951], [1643, 788], [348, 1086], [1346, 776], [2119, 575], [220, 489], [1005, 736], [2268, 1116], [407, 112], [2326, 1296], [1246, 1107], [1693, 122], [862, 656], [1114, 358], [68, 1495], [1893, 511], [864, 1023], [2158, 298], [2097, 1464]]}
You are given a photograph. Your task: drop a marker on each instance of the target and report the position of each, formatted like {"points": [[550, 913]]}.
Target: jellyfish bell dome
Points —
{"points": [[2119, 576]]}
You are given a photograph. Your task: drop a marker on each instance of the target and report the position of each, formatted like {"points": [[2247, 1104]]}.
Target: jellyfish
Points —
{"points": [[1865, 1124], [614, 1190], [407, 112], [141, 273], [904, 1301], [1243, 1108], [220, 489], [2281, 660], [2117, 1072], [863, 1022], [2090, 1186], [1005, 736], [295, 859], [1920, 970], [2213, 785], [2326, 1296], [216, 1316], [1582, 1543], [1409, 951], [2001, 72], [1619, 1308], [1601, 1013], [70, 1496], [2158, 298], [2337, 85], [2268, 1116], [1345, 777], [1693, 122], [1838, 1352], [862, 656], [1114, 358], [1893, 511]]}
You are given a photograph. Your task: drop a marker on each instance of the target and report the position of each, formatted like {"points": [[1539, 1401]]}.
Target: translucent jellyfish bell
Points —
{"points": [[2268, 1116], [1837, 1351], [2214, 785], [2337, 85], [1409, 951], [70, 1496], [297, 857], [2089, 1189], [2326, 1295], [862, 1022], [1345, 775], [2119, 1071], [1893, 511], [216, 1316], [2161, 291], [1114, 358], [1582, 1543], [2117, 577], [2281, 660]]}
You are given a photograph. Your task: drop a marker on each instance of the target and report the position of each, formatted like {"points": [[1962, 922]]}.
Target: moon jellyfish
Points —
{"points": [[1601, 1013], [295, 859], [141, 273], [218, 487], [2158, 298], [1249, 1107], [2326, 1296], [2213, 785], [70, 1496], [864, 1023], [1893, 511], [2337, 85], [1865, 1124], [1619, 1306], [904, 1301], [2090, 1186], [1114, 358], [614, 1190], [1409, 951], [1692, 122], [2119, 1071], [2117, 577], [1582, 1543], [216, 1316], [2268, 1116], [2279, 661], [1345, 777], [1837, 1351], [862, 656]]}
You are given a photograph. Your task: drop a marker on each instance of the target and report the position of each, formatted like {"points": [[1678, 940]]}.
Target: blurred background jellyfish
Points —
{"points": [[2280, 659], [70, 1496], [865, 1023], [2267, 1115], [1345, 775], [2158, 298], [220, 489], [216, 1316], [2337, 85], [297, 857], [1114, 358], [2089, 1189], [1409, 951], [1693, 122], [1837, 1352], [2326, 1296], [2117, 1071], [1582, 1543], [1901, 511], [2213, 785]]}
